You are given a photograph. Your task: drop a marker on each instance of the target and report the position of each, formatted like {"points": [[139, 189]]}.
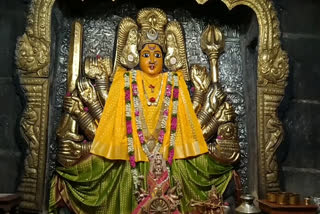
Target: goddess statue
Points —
{"points": [[151, 149]]}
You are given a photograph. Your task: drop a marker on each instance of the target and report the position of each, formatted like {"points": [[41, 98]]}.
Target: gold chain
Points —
{"points": [[156, 101]]}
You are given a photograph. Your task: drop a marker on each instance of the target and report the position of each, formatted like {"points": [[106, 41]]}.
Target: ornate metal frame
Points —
{"points": [[33, 63]]}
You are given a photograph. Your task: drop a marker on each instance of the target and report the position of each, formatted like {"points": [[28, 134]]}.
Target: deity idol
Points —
{"points": [[148, 117]]}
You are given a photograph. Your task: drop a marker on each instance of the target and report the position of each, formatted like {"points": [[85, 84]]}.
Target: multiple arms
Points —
{"points": [[83, 103], [215, 114], [88, 92]]}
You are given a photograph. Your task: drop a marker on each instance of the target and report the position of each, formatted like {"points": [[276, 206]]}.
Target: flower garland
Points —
{"points": [[134, 171], [174, 119], [163, 124]]}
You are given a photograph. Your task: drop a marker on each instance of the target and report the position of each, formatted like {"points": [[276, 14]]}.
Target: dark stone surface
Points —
{"points": [[12, 21], [305, 79], [8, 114], [300, 109], [303, 181], [298, 16], [10, 154], [302, 49], [302, 123]]}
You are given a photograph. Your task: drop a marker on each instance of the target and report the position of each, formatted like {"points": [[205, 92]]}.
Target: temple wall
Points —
{"points": [[299, 111], [12, 24]]}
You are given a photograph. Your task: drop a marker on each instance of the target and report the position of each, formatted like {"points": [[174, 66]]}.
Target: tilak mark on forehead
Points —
{"points": [[152, 47]]}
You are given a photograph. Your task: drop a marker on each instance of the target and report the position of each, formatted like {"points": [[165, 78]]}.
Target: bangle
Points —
{"points": [[96, 110]]}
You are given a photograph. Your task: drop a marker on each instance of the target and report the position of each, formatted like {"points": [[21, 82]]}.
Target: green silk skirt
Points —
{"points": [[101, 186]]}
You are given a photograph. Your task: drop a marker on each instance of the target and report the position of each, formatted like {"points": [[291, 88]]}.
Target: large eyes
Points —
{"points": [[157, 55], [146, 55]]}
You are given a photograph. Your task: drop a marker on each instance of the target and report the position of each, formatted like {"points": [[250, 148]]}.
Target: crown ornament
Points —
{"points": [[151, 27], [152, 22]]}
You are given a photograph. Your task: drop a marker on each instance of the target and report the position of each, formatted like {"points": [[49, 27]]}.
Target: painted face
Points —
{"points": [[151, 59]]}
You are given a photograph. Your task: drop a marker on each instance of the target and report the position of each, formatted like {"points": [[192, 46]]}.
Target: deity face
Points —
{"points": [[151, 59]]}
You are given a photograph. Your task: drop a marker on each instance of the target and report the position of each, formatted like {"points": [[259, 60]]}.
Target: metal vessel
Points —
{"points": [[247, 205]]}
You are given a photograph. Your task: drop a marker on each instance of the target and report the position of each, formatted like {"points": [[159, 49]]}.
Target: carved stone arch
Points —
{"points": [[33, 66], [272, 73]]}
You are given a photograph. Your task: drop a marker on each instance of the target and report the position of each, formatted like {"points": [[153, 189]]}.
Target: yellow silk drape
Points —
{"points": [[111, 140]]}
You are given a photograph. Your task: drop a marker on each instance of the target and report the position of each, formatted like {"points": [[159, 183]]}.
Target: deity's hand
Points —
{"points": [[91, 68], [69, 152], [97, 67], [87, 91], [70, 149], [225, 113], [200, 77], [214, 99], [73, 106], [218, 97]]}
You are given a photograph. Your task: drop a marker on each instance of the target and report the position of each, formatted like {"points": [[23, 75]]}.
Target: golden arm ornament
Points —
{"points": [[85, 104], [212, 44], [224, 114], [70, 151], [73, 146], [201, 82], [213, 99], [216, 116], [75, 108], [94, 96], [67, 132], [89, 96]]}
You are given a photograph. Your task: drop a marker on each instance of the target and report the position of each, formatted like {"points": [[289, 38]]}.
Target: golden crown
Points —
{"points": [[152, 22]]}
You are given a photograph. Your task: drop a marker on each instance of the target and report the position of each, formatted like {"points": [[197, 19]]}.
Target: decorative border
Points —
{"points": [[33, 126], [33, 47], [273, 70], [33, 62]]}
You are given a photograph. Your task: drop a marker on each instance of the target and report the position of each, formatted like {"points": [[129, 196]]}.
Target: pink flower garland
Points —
{"points": [[129, 122], [174, 119], [132, 161], [170, 157]]}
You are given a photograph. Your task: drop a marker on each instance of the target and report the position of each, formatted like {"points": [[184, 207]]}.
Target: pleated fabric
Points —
{"points": [[101, 186]]}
